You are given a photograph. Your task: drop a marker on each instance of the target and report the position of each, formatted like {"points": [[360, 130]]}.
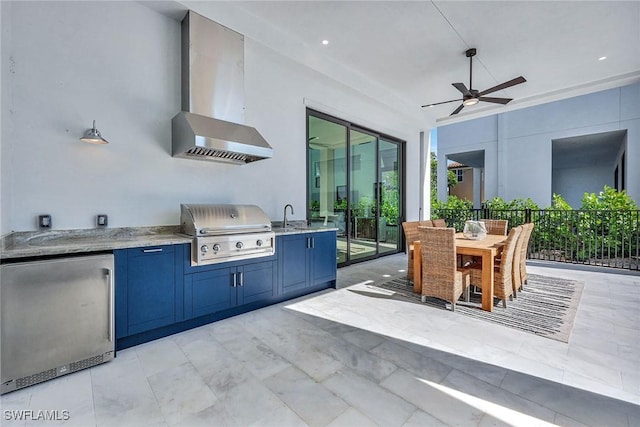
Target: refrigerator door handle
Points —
{"points": [[109, 274]]}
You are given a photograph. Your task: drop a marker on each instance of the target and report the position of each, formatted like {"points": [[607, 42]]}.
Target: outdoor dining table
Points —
{"points": [[486, 248]]}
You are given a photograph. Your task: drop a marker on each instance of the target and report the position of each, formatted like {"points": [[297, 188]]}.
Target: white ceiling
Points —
{"points": [[411, 51]]}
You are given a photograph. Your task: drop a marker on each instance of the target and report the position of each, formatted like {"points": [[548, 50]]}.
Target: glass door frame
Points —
{"points": [[401, 181]]}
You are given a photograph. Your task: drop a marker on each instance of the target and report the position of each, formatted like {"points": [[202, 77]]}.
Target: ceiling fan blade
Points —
{"points": [[462, 88], [504, 85], [457, 110], [443, 102], [495, 100]]}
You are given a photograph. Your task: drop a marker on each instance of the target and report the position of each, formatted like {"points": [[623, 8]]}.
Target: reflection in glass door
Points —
{"points": [[388, 196], [327, 183], [354, 185], [362, 199]]}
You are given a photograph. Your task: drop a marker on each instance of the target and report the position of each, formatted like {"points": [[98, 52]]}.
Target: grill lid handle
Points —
{"points": [[228, 228]]}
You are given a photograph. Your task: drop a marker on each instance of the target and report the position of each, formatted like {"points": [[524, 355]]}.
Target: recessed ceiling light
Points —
{"points": [[602, 58], [325, 42]]}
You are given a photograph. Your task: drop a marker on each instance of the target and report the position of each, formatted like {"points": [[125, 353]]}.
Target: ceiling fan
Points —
{"points": [[472, 96]]}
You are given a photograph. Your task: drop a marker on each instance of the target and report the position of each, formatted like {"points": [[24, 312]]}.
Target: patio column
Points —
{"points": [[477, 188]]}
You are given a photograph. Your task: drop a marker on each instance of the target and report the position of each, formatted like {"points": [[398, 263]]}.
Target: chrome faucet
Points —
{"points": [[284, 221]]}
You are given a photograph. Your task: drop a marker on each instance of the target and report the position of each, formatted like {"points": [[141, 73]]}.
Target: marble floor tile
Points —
{"points": [[159, 355], [180, 392], [413, 361], [280, 416], [498, 402], [314, 403], [433, 399], [382, 406], [71, 394], [583, 406], [214, 415], [122, 395], [352, 417], [252, 403], [254, 354], [361, 338], [217, 367], [422, 419]]}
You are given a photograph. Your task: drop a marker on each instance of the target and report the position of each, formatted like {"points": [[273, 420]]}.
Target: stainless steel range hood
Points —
{"points": [[210, 125]]}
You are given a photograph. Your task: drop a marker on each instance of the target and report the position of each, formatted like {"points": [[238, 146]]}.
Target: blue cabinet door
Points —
{"points": [[150, 288], [209, 292], [323, 257], [294, 264], [257, 282], [212, 291]]}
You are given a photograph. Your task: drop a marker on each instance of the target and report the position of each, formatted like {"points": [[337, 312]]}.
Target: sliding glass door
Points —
{"points": [[354, 184], [327, 178]]}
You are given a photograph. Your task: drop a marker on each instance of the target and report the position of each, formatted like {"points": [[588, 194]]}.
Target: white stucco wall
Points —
{"points": [[118, 63], [518, 144]]}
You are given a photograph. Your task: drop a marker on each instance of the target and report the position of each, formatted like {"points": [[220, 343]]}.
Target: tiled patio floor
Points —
{"points": [[341, 358]]}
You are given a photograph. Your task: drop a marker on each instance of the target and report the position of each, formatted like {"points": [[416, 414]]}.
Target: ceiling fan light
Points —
{"points": [[469, 102]]}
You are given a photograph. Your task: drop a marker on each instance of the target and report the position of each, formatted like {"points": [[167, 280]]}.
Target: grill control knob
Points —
{"points": [[216, 247], [259, 243], [239, 245], [204, 249]]}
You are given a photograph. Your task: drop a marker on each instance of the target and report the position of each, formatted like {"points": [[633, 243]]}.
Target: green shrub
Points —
{"points": [[608, 226], [454, 211]]}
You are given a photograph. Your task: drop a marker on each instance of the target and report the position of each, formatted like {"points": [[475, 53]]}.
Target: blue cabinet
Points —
{"points": [[220, 289], [293, 251], [147, 295], [159, 293], [307, 261], [323, 258]]}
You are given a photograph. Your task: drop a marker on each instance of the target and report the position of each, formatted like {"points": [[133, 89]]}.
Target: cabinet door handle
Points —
{"points": [[313, 242], [241, 278], [149, 251], [109, 274], [235, 280]]}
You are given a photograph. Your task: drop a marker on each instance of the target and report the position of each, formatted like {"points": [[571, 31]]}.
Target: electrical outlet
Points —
{"points": [[44, 222], [101, 220]]}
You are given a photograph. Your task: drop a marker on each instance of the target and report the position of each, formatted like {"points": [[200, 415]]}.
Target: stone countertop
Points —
{"points": [[60, 242]]}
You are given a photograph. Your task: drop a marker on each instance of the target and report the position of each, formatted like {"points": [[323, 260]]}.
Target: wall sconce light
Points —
{"points": [[92, 136]]}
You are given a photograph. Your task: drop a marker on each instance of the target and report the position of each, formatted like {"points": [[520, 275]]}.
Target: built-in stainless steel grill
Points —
{"points": [[226, 232]]}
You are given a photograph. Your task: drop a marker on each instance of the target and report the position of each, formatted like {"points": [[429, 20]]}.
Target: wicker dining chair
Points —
{"points": [[439, 222], [502, 275], [440, 277], [411, 235], [521, 254], [496, 226]]}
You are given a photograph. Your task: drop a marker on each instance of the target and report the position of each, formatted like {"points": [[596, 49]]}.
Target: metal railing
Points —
{"points": [[609, 238]]}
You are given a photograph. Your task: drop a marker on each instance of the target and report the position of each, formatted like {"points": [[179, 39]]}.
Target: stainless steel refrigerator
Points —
{"points": [[56, 318]]}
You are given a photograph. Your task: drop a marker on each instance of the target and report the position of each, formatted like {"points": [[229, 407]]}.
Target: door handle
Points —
{"points": [[241, 281], [109, 274], [235, 280]]}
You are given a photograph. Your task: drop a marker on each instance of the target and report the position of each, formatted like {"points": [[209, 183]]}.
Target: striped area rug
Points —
{"points": [[546, 306]]}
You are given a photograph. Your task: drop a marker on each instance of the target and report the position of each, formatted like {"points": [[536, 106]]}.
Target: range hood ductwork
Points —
{"points": [[209, 125]]}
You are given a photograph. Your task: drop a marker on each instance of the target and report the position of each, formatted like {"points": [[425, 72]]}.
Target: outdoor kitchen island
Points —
{"points": [[158, 292]]}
